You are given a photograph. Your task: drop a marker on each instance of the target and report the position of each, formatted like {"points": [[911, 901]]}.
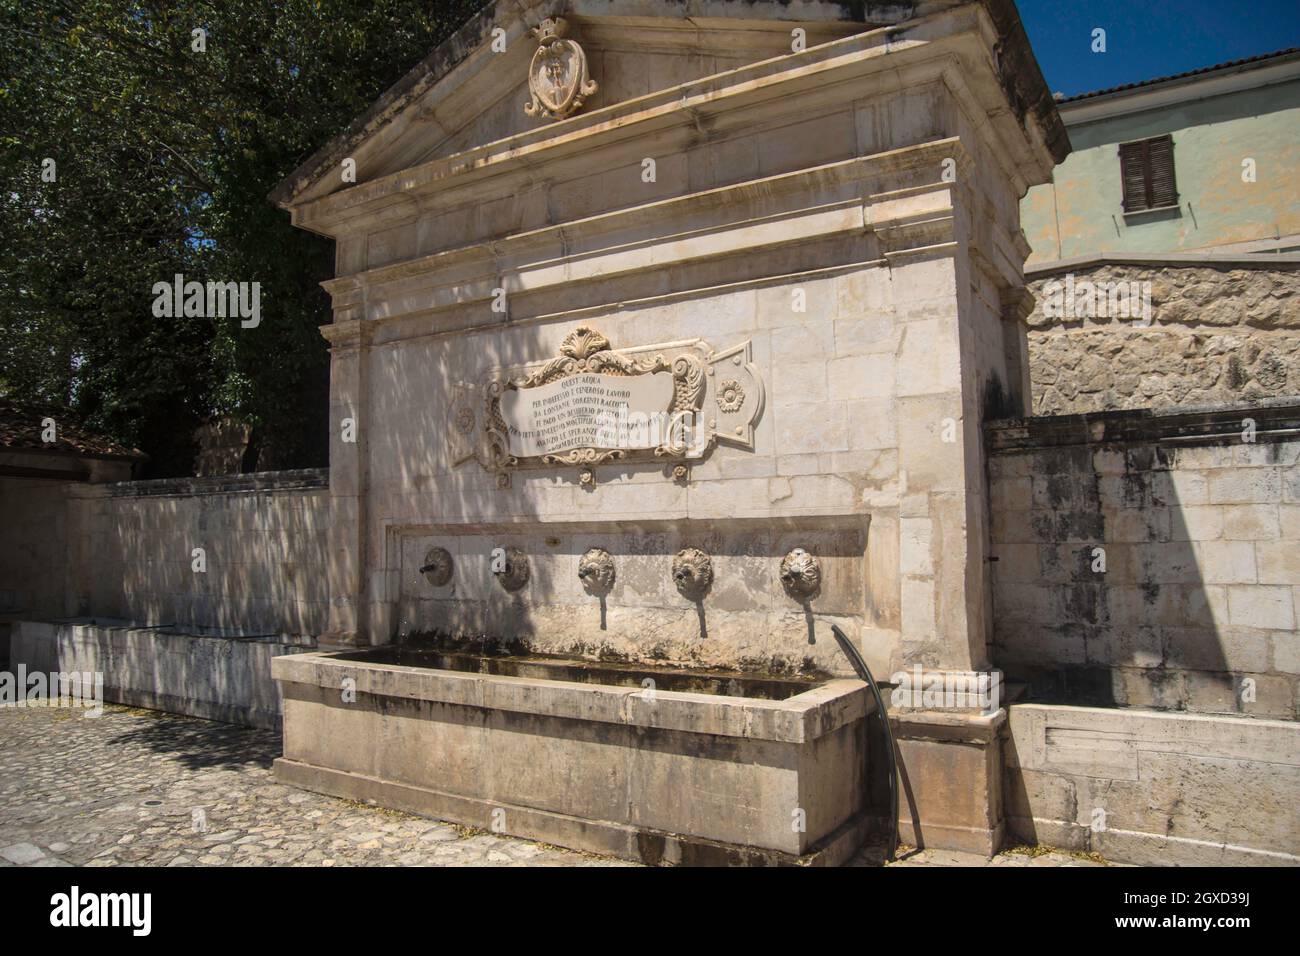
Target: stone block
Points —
{"points": [[1286, 652], [860, 376], [800, 383], [867, 335], [1196, 523], [872, 425], [916, 555], [814, 427], [863, 292], [1225, 562], [1261, 606], [1278, 562], [1251, 522], [1245, 486], [928, 359]]}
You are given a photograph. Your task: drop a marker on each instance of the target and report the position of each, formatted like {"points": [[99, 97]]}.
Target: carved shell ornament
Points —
{"points": [[692, 573], [557, 76], [596, 571], [801, 574]]}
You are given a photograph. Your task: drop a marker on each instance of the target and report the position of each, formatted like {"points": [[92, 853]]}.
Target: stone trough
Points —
{"points": [[589, 756]]}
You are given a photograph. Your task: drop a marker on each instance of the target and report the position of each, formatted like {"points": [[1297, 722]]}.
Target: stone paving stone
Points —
{"points": [[142, 788], [21, 853]]}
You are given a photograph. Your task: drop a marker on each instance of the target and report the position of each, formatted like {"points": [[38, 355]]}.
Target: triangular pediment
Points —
{"points": [[472, 90]]}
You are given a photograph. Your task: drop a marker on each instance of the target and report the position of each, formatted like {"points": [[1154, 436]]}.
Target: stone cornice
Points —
{"points": [[1275, 420], [674, 209], [812, 80], [611, 244], [1167, 260], [347, 333]]}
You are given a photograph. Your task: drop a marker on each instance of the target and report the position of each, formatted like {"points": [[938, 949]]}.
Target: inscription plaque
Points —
{"points": [[593, 404], [588, 411]]}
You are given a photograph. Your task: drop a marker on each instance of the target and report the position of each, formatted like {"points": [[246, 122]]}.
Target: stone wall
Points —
{"points": [[1217, 334], [1195, 606], [131, 545], [33, 516], [875, 354], [1154, 789]]}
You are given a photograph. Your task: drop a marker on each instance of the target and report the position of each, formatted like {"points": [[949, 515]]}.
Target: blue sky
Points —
{"points": [[1150, 38]]}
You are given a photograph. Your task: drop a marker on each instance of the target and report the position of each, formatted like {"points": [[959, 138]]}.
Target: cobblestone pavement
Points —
{"points": [[126, 789], [142, 788]]}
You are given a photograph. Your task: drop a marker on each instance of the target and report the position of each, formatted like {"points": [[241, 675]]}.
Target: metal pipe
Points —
{"points": [[859, 665]]}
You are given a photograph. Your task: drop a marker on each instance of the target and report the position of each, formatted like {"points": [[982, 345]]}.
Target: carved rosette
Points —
{"points": [[596, 571], [464, 419], [731, 396], [558, 78], [512, 573], [801, 574], [692, 573], [438, 567]]}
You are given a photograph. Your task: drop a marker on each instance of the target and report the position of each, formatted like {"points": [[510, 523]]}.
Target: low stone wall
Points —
{"points": [[1154, 789], [216, 677], [264, 551], [1150, 560], [1217, 333]]}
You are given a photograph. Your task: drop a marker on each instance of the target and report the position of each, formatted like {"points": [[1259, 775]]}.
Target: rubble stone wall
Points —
{"points": [[1217, 335]]}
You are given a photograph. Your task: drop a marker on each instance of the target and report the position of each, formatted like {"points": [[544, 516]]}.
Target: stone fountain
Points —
{"points": [[634, 394]]}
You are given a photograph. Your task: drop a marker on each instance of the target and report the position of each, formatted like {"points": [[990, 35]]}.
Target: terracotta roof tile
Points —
{"points": [[20, 428], [1229, 64]]}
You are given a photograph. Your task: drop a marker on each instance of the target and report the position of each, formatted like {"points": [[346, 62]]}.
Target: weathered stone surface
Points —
{"points": [[219, 677], [1155, 789], [1148, 560], [79, 803], [616, 759], [1216, 335]]}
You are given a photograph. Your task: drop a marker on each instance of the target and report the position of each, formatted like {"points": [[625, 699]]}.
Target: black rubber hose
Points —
{"points": [[860, 666]]}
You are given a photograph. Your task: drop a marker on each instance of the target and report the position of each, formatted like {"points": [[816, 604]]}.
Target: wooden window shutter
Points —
{"points": [[1160, 157], [1146, 170]]}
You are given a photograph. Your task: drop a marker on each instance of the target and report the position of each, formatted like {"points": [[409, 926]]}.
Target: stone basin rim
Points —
{"points": [[818, 711]]}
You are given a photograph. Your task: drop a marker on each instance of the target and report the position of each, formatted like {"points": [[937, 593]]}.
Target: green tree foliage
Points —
{"points": [[163, 158]]}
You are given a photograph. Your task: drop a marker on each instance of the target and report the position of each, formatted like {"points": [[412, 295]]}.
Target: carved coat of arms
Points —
{"points": [[557, 75]]}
